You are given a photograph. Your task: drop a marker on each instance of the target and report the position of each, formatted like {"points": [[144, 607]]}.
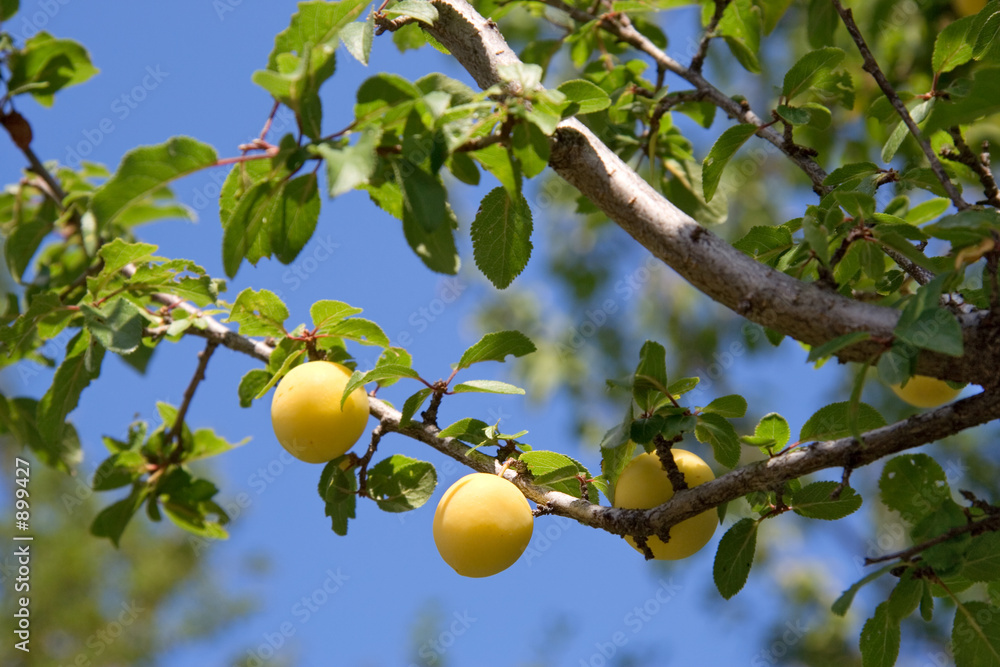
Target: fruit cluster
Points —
{"points": [[483, 523]]}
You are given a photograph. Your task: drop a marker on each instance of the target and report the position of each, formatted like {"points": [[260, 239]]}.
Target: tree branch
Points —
{"points": [[910, 433], [804, 311], [199, 375], [872, 67], [627, 33], [979, 164], [989, 524]]}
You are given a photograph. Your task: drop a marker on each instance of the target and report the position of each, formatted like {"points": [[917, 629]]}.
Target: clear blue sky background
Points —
{"points": [[576, 587]]}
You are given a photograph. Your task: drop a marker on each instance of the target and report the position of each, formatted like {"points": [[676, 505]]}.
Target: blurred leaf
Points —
{"points": [[71, 378], [952, 46], [975, 636], [880, 639], [718, 157], [843, 603], [294, 217], [117, 325], [982, 561], [486, 386], [913, 485], [45, 65], [112, 520]]}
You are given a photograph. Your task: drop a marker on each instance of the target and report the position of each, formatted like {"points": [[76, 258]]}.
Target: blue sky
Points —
{"points": [[184, 68]]}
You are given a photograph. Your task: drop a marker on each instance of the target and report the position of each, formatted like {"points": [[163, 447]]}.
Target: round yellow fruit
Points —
{"points": [[306, 414], [968, 7], [925, 392], [644, 484], [482, 525]]}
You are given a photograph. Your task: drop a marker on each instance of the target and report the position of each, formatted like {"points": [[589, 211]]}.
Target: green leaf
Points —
{"points": [[46, 65], [741, 26], [650, 381], [723, 150], [936, 329], [327, 313], [117, 325], [555, 471], [338, 489], [486, 386], [584, 97], [731, 406], [467, 430], [421, 10], [901, 131], [359, 330], [766, 244], [117, 254], [833, 421], [144, 171], [616, 452], [424, 196], [359, 379], [8, 8], [530, 145], [982, 561], [808, 69], [22, 243], [947, 556], [914, 485], [205, 443], [401, 484], [717, 430], [501, 237], [316, 22], [814, 502], [119, 470], [294, 217], [412, 404], [435, 249], [357, 38], [975, 636], [952, 46], [81, 365], [350, 166], [246, 234], [772, 431], [880, 639], [497, 346], [498, 161], [837, 344], [112, 520], [734, 558], [251, 385], [260, 313], [843, 603], [905, 597], [966, 228]]}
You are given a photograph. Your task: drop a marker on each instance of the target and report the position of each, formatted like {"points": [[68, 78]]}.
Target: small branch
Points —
{"points": [[640, 541], [979, 164], [918, 273], [367, 458], [666, 457], [199, 374], [988, 525], [699, 58], [383, 24], [627, 33], [872, 67]]}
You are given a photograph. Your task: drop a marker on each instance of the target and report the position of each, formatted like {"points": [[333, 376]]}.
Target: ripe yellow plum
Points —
{"points": [[306, 414], [644, 484], [925, 392], [482, 525]]}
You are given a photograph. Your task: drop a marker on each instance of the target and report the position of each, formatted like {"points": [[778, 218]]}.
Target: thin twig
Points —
{"points": [[699, 58], [987, 525], [979, 164], [625, 32], [199, 374], [872, 67]]}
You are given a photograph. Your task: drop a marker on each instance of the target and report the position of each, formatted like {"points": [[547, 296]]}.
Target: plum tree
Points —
{"points": [[644, 484], [307, 416], [482, 525], [866, 229]]}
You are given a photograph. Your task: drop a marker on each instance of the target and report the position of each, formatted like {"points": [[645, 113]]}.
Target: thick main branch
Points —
{"points": [[807, 312]]}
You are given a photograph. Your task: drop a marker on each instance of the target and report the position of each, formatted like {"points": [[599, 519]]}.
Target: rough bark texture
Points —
{"points": [[805, 311]]}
